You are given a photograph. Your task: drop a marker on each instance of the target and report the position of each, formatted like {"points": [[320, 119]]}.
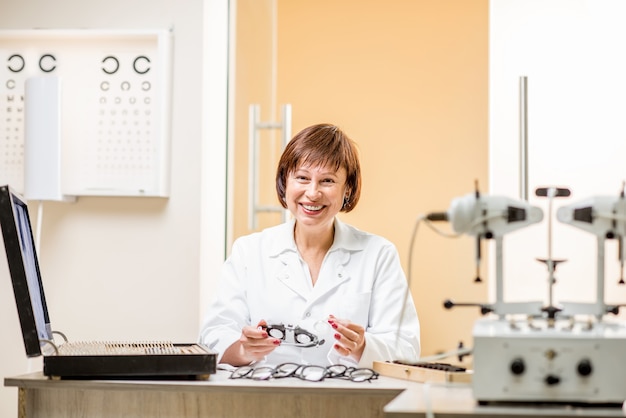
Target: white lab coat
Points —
{"points": [[361, 280]]}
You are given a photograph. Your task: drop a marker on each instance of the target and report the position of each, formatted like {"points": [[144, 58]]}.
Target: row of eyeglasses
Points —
{"points": [[306, 372]]}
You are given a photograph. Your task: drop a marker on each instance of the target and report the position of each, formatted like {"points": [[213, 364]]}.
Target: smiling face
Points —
{"points": [[320, 167], [315, 194]]}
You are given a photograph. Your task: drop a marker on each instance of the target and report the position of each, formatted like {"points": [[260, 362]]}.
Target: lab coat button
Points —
{"points": [[308, 314]]}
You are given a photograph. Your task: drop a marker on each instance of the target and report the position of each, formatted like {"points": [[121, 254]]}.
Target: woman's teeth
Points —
{"points": [[312, 208]]}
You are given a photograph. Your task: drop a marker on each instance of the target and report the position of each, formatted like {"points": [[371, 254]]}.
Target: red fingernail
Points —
{"points": [[276, 342], [335, 326], [338, 336], [264, 334], [337, 346]]}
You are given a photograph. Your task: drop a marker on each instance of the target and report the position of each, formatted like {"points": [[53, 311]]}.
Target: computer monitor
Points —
{"points": [[24, 270]]}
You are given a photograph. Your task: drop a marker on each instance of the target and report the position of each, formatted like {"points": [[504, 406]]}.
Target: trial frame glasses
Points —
{"points": [[310, 373], [293, 335]]}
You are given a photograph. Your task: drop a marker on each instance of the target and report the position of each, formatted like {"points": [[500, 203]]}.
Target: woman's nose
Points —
{"points": [[313, 191]]}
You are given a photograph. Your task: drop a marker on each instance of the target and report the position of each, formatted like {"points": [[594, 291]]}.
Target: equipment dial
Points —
{"points": [[584, 367], [517, 366], [552, 380]]}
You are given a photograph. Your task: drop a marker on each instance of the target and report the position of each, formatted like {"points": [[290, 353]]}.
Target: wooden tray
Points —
{"points": [[421, 374]]}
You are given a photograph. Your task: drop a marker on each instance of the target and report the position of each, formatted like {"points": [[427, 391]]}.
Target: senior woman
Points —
{"points": [[313, 290]]}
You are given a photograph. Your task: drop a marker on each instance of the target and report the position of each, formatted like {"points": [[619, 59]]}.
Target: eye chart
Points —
{"points": [[114, 111]]}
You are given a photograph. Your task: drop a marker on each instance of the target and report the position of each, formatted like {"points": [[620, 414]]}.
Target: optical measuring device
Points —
{"points": [[571, 352]]}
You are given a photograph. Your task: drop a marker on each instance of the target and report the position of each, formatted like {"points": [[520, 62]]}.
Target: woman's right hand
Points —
{"points": [[253, 345]]}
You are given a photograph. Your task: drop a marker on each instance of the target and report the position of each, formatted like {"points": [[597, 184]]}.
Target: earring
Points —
{"points": [[346, 202]]}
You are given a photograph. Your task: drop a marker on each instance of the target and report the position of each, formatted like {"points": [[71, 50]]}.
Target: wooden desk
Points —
{"points": [[219, 396], [456, 401]]}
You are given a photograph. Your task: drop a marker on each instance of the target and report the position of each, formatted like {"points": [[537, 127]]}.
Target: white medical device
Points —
{"points": [[473, 214], [528, 352]]}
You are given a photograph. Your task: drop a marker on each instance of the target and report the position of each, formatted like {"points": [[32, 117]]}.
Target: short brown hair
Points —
{"points": [[322, 144]]}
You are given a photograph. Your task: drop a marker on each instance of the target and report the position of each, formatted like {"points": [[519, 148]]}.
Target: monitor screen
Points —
{"points": [[21, 253]]}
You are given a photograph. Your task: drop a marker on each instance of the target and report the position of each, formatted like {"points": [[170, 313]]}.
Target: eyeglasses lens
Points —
{"points": [[240, 372], [336, 370], [286, 370], [262, 373], [276, 333], [303, 338], [361, 375], [313, 373]]}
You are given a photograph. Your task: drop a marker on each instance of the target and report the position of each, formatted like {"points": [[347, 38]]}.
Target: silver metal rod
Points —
{"points": [[254, 126], [268, 125], [551, 266], [523, 136], [286, 125], [253, 120], [499, 272], [268, 208], [286, 137], [600, 277]]}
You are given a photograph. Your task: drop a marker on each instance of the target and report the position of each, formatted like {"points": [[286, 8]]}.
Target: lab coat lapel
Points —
{"points": [[333, 274], [335, 270], [289, 273], [286, 261]]}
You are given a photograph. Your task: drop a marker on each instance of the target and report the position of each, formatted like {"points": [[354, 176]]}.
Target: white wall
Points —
{"points": [[571, 52], [135, 268]]}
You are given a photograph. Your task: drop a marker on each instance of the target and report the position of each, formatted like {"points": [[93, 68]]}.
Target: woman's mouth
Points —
{"points": [[312, 208]]}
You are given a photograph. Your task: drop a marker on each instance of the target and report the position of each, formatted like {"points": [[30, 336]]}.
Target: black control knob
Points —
{"points": [[552, 380], [584, 367], [517, 366]]}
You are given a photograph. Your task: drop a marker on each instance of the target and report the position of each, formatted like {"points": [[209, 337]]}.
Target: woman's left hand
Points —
{"points": [[349, 337]]}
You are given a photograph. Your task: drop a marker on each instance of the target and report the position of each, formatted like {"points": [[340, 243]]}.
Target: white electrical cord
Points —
{"points": [[462, 351], [431, 225], [408, 286], [410, 263]]}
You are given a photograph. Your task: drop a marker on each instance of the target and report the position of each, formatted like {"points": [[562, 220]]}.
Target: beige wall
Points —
{"points": [[408, 81]]}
